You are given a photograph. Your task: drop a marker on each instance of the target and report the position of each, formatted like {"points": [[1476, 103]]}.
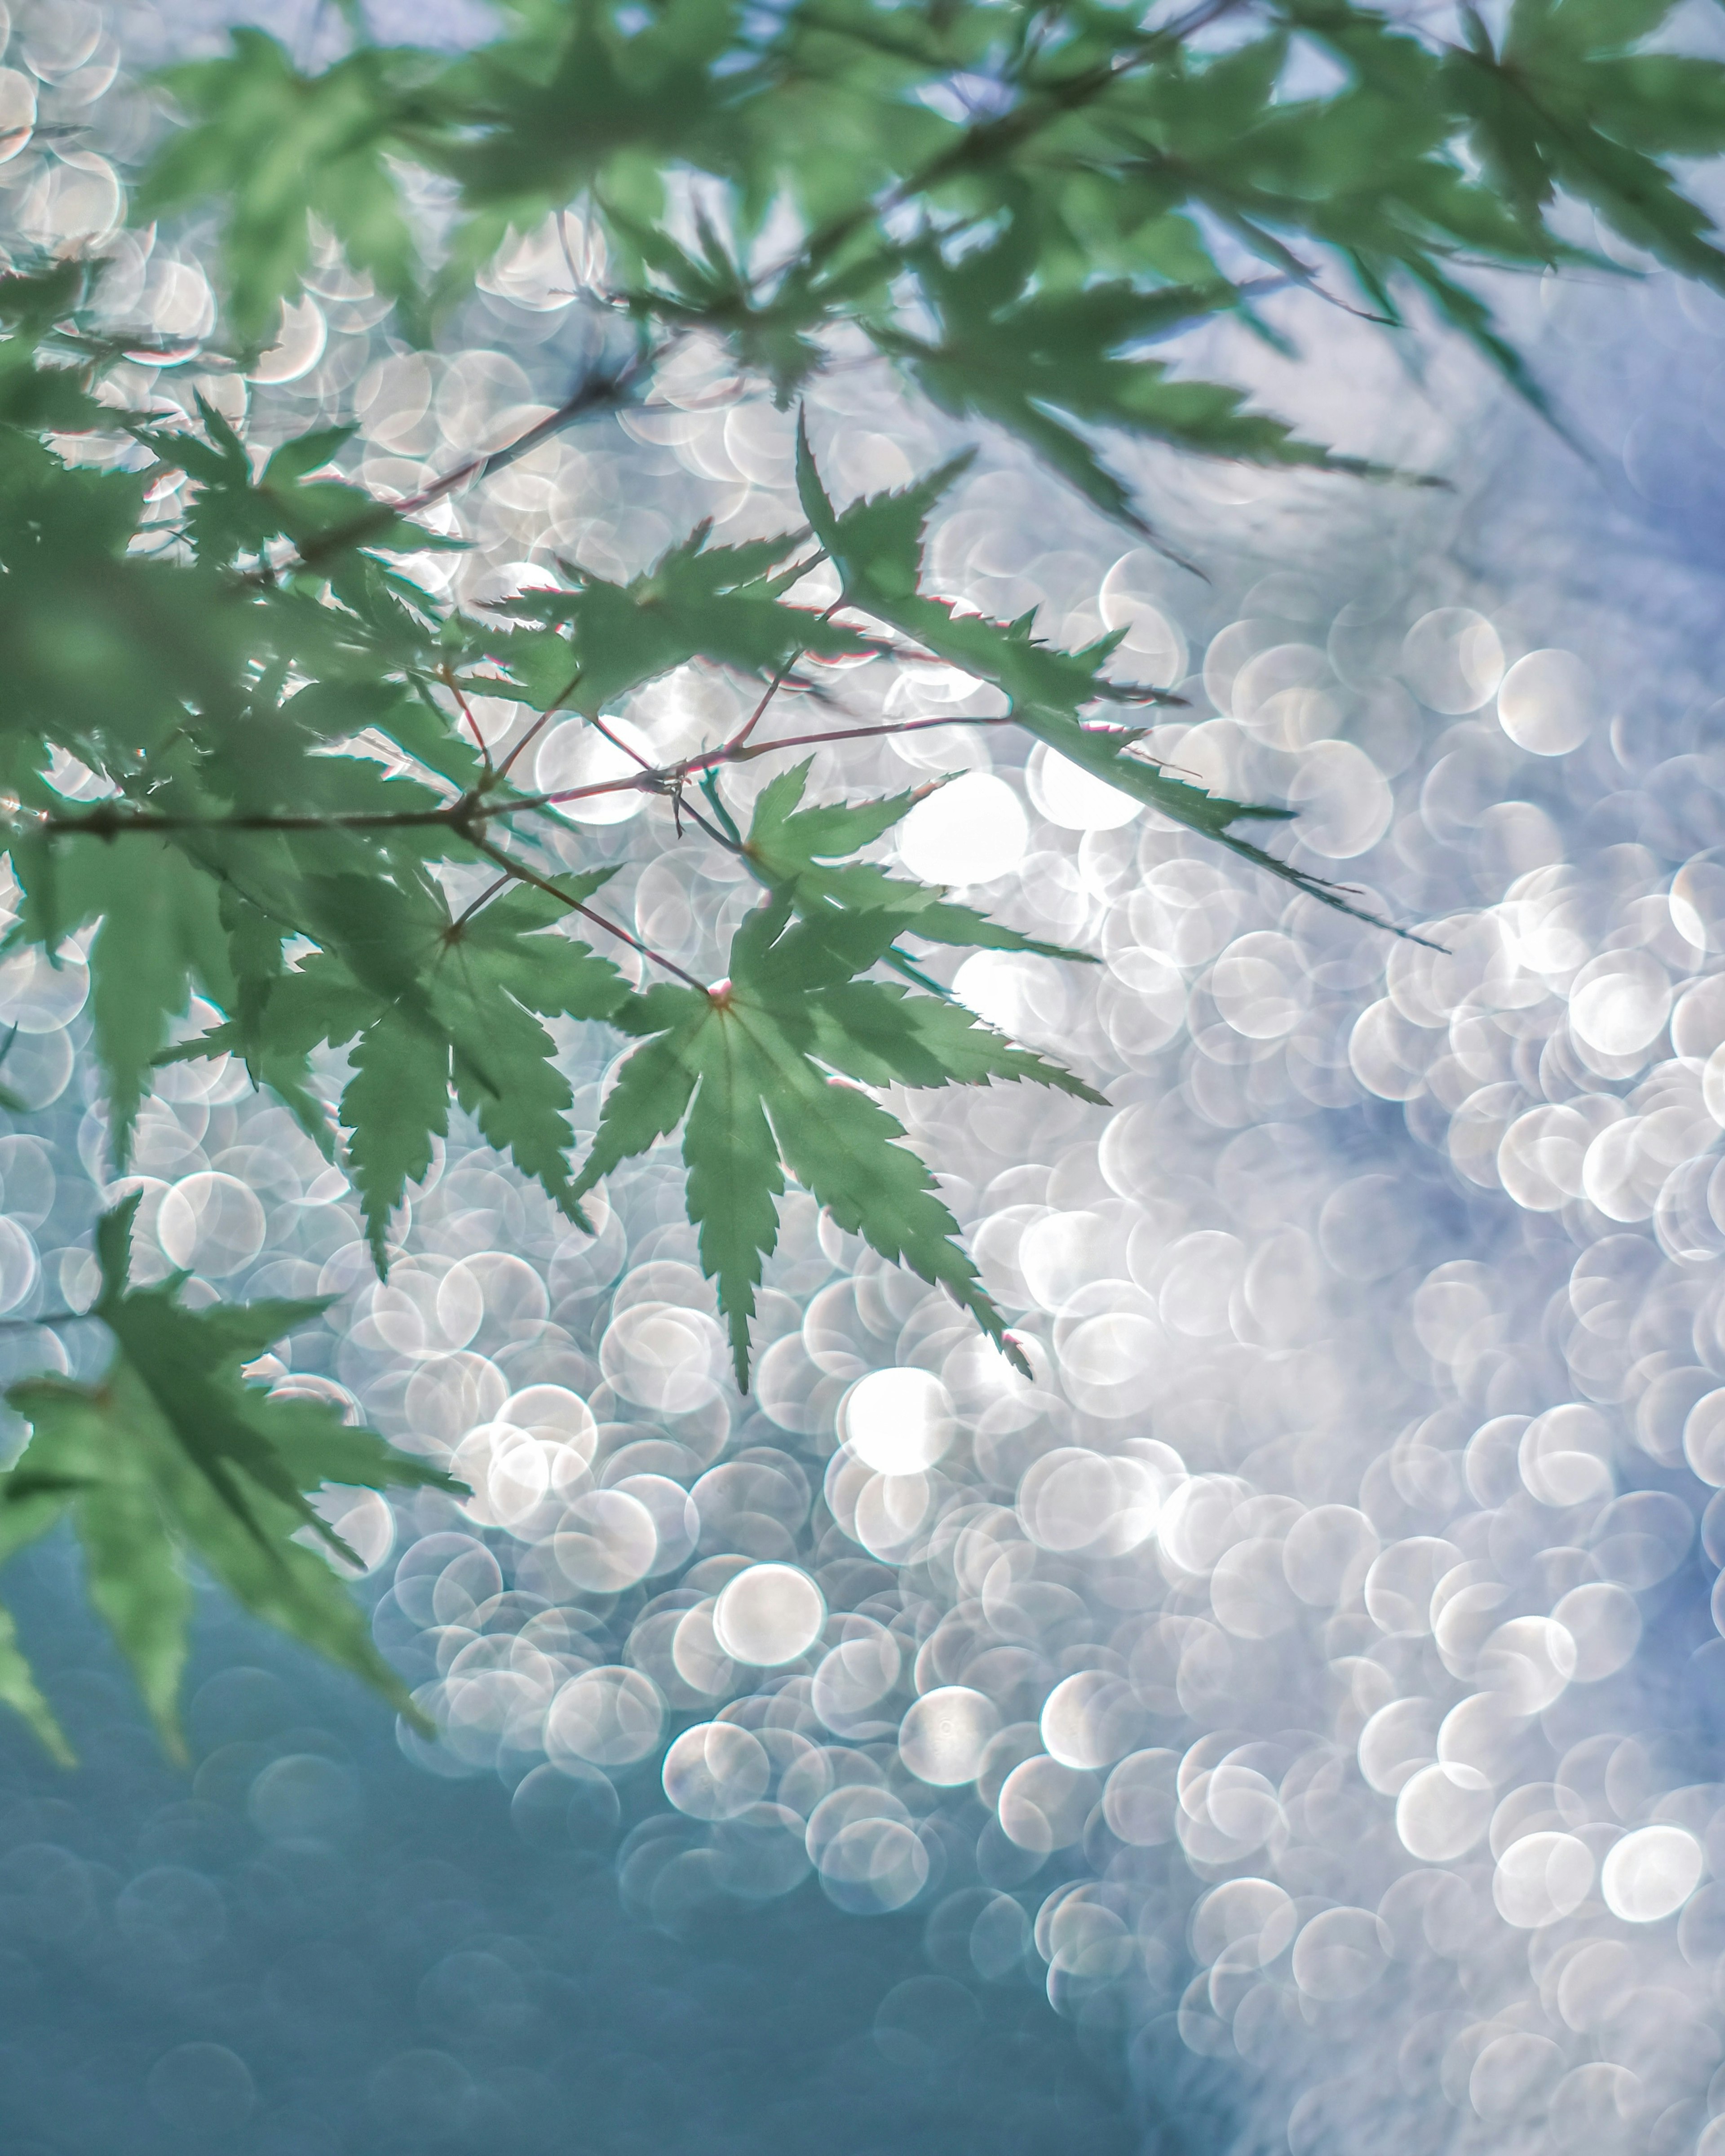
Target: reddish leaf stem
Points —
{"points": [[613, 928]]}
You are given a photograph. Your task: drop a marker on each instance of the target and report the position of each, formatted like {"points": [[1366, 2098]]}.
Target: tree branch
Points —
{"points": [[597, 393], [514, 868], [468, 816], [775, 684]]}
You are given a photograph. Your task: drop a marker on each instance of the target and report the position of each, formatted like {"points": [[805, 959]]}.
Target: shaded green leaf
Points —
{"points": [[876, 546], [721, 604], [280, 147], [172, 1458]]}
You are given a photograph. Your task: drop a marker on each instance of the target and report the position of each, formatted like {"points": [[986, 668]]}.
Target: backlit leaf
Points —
{"points": [[172, 1460], [761, 1065]]}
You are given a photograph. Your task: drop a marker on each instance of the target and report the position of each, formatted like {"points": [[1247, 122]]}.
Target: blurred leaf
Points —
{"points": [[1041, 363], [280, 147], [173, 1458], [159, 936], [1564, 104]]}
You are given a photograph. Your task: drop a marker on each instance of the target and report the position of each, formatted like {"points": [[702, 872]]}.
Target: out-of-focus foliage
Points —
{"points": [[1017, 203], [1019, 208], [172, 1454]]}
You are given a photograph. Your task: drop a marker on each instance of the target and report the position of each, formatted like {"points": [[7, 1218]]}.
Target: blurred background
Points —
{"points": [[1294, 1718]]}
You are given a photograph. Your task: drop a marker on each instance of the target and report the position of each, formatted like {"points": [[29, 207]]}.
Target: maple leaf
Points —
{"points": [[758, 1069], [801, 851], [876, 547], [281, 148], [432, 1003], [171, 1458], [1045, 363], [721, 604], [1565, 103], [232, 514], [159, 936]]}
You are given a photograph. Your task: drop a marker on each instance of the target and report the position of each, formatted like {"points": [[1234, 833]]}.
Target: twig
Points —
{"points": [[483, 900], [772, 688], [622, 747], [468, 815], [860, 733], [543, 883], [664, 780], [107, 820], [775, 683], [597, 391], [543, 721], [446, 674]]}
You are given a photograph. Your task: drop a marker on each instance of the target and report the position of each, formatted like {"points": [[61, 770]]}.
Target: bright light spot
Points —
{"points": [[767, 1615], [576, 754], [1547, 703], [1651, 1874], [969, 832], [898, 1421], [1073, 797]]}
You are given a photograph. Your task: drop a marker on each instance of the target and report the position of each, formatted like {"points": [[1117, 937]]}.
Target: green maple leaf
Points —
{"points": [[279, 147], [801, 852], [32, 306], [430, 1004], [576, 102], [101, 651], [774, 332], [172, 1457], [1041, 363], [759, 1066], [721, 604], [232, 514], [1566, 103], [159, 936], [876, 546]]}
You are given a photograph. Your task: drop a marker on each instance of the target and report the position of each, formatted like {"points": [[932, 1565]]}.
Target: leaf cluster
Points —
{"points": [[172, 1458], [1020, 206], [238, 753]]}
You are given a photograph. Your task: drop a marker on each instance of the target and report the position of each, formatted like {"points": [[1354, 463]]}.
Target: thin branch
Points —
{"points": [[514, 868], [543, 721], [637, 782], [775, 684], [622, 747], [468, 816], [109, 821], [599, 392], [483, 900], [858, 733], [446, 674], [772, 688], [664, 780]]}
